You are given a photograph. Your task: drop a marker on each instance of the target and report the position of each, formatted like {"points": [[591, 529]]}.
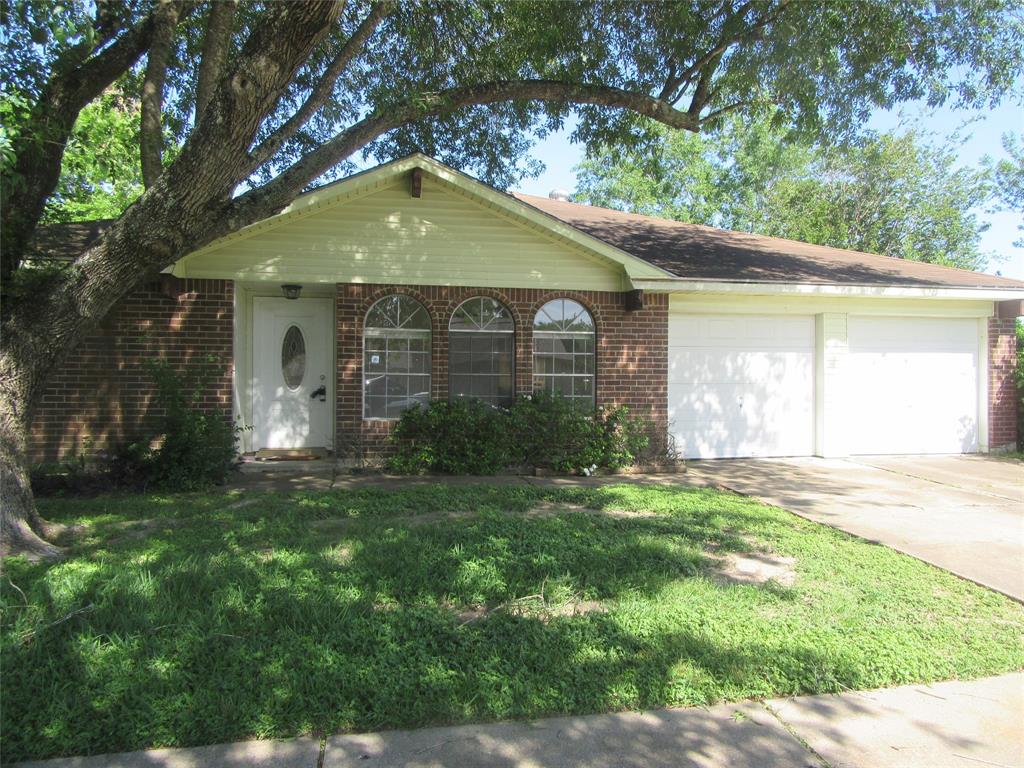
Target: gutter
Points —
{"points": [[688, 285]]}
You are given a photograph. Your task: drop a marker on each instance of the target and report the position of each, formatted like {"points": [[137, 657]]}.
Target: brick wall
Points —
{"points": [[632, 352], [101, 396], [1002, 391]]}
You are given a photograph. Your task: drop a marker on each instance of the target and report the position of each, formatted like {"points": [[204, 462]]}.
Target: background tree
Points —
{"points": [[1009, 179], [264, 99], [889, 193]]}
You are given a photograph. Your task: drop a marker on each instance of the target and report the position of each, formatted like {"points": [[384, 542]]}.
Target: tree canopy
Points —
{"points": [[889, 193], [1009, 179], [243, 104]]}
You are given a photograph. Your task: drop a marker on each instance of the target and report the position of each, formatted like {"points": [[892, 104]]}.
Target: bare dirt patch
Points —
{"points": [[542, 510], [532, 606], [124, 530], [551, 509], [756, 568]]}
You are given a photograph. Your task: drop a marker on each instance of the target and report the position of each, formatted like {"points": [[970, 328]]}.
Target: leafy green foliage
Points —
{"points": [[101, 175], [1009, 178], [469, 437], [553, 432], [463, 437], [823, 64], [199, 445], [889, 193], [195, 619]]}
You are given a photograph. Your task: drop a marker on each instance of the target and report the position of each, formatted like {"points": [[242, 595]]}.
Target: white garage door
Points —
{"points": [[741, 385], [913, 385]]}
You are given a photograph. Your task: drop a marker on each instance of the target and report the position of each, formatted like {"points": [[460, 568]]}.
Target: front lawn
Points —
{"points": [[185, 620]]}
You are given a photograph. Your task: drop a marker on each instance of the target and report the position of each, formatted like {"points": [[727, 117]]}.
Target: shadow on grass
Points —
{"points": [[247, 622]]}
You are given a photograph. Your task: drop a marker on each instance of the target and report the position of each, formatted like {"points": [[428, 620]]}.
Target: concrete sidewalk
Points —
{"points": [[954, 724]]}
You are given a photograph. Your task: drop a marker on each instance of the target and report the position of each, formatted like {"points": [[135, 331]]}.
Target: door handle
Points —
{"points": [[320, 392]]}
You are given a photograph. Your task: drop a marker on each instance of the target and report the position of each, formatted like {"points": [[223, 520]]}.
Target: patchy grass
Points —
{"points": [[185, 620]]}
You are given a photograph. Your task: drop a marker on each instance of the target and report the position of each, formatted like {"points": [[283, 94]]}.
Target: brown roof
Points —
{"points": [[704, 253], [685, 250], [65, 242]]}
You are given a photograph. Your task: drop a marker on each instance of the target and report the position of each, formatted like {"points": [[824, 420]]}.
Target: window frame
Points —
{"points": [[511, 332], [566, 334], [380, 332]]}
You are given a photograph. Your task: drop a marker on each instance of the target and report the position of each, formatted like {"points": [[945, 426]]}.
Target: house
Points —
{"points": [[412, 282]]}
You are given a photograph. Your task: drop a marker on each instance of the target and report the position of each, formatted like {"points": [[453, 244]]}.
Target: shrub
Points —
{"points": [[465, 437], [199, 447], [542, 430]]}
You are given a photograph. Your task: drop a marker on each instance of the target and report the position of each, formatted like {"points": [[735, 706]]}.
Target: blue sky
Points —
{"points": [[978, 133]]}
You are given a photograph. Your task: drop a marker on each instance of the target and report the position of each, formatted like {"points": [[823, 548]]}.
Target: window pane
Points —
{"points": [[396, 344], [564, 357], [293, 357], [376, 386], [398, 312], [481, 352], [482, 313]]}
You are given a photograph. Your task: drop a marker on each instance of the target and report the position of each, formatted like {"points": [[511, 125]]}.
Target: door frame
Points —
{"points": [[242, 371]]}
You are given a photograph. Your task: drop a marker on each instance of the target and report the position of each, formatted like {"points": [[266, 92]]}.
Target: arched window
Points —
{"points": [[481, 351], [396, 357], [564, 351]]}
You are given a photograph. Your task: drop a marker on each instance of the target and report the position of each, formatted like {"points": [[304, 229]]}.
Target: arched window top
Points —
{"points": [[564, 351], [397, 312], [482, 313], [563, 316]]}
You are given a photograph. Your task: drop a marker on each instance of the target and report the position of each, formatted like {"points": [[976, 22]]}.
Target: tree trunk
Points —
{"points": [[22, 530]]}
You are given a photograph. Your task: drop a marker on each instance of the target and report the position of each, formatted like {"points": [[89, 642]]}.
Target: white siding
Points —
{"points": [[441, 238]]}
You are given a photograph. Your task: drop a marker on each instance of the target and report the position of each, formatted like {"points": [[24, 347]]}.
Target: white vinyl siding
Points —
{"points": [[389, 237]]}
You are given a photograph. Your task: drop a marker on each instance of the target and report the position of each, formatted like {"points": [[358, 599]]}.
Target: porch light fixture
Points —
{"points": [[291, 291]]}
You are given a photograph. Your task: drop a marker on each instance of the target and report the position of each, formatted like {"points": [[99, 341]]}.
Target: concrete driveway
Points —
{"points": [[961, 513]]}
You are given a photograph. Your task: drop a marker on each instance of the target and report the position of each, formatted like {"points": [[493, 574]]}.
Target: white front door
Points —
{"points": [[913, 385], [741, 385], [292, 373]]}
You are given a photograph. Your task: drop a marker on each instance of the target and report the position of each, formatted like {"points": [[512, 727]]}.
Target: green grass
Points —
{"points": [[185, 620]]}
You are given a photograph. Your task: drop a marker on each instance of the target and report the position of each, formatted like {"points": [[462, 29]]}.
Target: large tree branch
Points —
{"points": [[272, 196], [733, 33], [325, 87], [39, 149], [151, 138], [216, 44]]}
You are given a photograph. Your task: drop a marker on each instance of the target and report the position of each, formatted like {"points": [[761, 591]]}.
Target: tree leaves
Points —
{"points": [[881, 193]]}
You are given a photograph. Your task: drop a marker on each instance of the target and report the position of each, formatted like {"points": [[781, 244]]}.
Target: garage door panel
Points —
{"points": [[688, 366], [913, 385], [741, 386]]}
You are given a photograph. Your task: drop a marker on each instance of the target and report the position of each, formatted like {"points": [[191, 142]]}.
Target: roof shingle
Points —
{"points": [[697, 252]]}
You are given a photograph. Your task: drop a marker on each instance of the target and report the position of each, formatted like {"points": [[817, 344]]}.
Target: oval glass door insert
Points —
{"points": [[293, 357]]}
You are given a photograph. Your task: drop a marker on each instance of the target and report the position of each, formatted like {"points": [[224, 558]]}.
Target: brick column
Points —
{"points": [[1002, 389]]}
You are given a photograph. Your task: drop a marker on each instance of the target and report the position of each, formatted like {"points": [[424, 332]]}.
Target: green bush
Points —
{"points": [[199, 447], [466, 437], [541, 430], [554, 433]]}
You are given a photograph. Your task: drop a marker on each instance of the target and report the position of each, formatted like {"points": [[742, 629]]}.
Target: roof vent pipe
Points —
{"points": [[559, 194]]}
